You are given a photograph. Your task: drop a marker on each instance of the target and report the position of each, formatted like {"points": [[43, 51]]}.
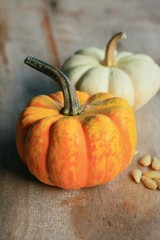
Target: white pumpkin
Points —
{"points": [[134, 77]]}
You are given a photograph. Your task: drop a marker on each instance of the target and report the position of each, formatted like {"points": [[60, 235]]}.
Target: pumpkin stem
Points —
{"points": [[71, 104], [109, 59]]}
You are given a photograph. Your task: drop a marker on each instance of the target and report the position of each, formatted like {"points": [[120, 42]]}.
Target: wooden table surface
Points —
{"points": [[52, 30]]}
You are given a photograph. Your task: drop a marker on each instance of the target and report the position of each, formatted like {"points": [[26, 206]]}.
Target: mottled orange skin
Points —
{"points": [[74, 152]]}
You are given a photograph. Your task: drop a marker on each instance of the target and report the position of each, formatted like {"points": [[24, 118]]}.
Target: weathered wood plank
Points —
{"points": [[53, 30]]}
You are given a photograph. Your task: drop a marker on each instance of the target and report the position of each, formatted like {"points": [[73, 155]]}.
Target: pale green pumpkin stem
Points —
{"points": [[71, 104], [109, 59]]}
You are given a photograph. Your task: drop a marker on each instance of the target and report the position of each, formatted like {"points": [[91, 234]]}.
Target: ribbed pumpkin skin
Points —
{"points": [[80, 151]]}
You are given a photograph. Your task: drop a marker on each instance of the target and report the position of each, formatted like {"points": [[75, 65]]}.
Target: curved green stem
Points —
{"points": [[109, 59], [71, 104]]}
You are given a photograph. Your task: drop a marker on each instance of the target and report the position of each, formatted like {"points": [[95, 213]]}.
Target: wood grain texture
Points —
{"points": [[53, 30]]}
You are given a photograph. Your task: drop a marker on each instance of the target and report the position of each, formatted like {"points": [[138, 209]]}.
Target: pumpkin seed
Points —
{"points": [[149, 183], [152, 174], [158, 182], [146, 160], [155, 164], [137, 174]]}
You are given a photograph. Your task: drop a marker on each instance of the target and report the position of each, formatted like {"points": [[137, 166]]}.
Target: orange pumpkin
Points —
{"points": [[73, 140]]}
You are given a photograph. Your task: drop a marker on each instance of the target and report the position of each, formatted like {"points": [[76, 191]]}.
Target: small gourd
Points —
{"points": [[134, 77], [73, 140]]}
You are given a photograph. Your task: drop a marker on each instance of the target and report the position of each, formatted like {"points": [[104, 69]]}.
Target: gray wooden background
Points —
{"points": [[52, 31]]}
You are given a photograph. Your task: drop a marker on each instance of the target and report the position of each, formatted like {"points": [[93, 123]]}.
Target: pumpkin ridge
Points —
{"points": [[67, 154], [86, 135], [30, 111], [124, 142], [80, 80], [106, 162], [101, 110], [122, 90], [57, 98], [77, 72], [137, 57], [47, 158], [43, 101], [55, 181], [23, 130], [36, 121], [46, 108], [114, 174], [92, 51], [83, 65], [43, 130], [107, 105], [88, 164], [78, 58], [93, 80], [95, 166], [121, 141], [87, 167]]}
